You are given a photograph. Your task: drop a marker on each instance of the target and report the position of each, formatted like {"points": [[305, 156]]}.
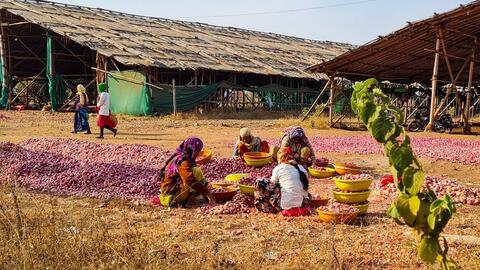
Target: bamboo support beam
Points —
{"points": [[27, 86], [330, 99], [315, 102], [434, 83], [466, 128]]}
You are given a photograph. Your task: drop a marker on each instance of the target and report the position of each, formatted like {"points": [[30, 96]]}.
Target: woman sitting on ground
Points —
{"points": [[296, 139], [249, 143], [180, 176], [287, 190]]}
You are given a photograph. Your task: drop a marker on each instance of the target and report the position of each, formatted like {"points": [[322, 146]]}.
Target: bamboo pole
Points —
{"points": [[316, 101], [434, 83], [466, 127], [174, 96], [330, 100]]}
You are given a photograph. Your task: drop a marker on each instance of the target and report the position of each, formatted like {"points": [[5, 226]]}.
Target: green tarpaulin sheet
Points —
{"points": [[4, 88], [128, 93], [56, 88], [187, 98]]}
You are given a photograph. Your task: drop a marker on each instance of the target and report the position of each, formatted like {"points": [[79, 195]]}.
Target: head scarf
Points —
{"points": [[285, 155], [102, 87], [81, 91], [297, 132], [244, 132], [187, 150], [254, 143]]}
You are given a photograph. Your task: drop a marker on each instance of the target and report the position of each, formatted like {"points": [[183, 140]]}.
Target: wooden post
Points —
{"points": [[102, 64], [330, 100], [466, 127], [434, 83], [174, 96]]}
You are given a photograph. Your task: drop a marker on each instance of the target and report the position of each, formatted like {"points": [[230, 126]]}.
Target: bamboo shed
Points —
{"points": [[441, 51], [151, 65]]}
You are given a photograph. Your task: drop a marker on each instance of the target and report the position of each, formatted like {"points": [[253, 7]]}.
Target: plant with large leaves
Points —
{"points": [[423, 211]]}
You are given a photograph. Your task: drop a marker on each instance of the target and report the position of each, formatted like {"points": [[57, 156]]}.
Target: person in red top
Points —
{"points": [[177, 177]]}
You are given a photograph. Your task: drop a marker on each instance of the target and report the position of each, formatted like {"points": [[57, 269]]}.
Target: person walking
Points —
{"points": [[103, 109]]}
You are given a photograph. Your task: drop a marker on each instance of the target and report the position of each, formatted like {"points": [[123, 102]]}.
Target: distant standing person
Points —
{"points": [[80, 102], [103, 108]]}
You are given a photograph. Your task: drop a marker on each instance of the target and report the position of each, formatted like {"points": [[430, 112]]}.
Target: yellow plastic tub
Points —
{"points": [[330, 217], [351, 197], [345, 169], [235, 177], [329, 172], [257, 162], [221, 185], [204, 156], [256, 155], [362, 208], [353, 185], [247, 190]]}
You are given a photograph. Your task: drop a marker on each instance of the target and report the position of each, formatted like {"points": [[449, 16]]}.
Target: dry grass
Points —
{"points": [[42, 232]]}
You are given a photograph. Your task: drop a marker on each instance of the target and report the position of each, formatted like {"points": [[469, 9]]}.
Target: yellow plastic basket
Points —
{"points": [[351, 197], [353, 185], [329, 172]]}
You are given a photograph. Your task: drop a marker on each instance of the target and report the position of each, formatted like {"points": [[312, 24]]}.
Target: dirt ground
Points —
{"points": [[67, 232]]}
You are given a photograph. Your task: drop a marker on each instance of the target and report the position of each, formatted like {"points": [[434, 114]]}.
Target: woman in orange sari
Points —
{"points": [[249, 143]]}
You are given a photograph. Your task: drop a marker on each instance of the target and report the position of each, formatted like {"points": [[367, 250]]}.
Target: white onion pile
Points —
{"points": [[355, 177], [240, 203], [338, 208]]}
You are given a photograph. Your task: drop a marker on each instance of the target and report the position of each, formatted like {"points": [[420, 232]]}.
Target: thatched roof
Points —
{"points": [[407, 55], [146, 41]]}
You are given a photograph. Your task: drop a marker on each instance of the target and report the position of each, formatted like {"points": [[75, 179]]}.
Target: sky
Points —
{"points": [[351, 21]]}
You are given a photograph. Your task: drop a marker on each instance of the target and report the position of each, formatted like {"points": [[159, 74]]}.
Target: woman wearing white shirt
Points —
{"points": [[287, 190], [103, 108]]}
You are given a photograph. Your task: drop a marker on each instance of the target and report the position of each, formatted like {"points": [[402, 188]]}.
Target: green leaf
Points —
{"points": [[423, 212], [403, 208], [393, 213], [382, 129], [414, 204], [369, 82], [436, 204], [413, 180], [387, 147], [401, 156], [429, 248], [365, 109], [431, 221]]}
